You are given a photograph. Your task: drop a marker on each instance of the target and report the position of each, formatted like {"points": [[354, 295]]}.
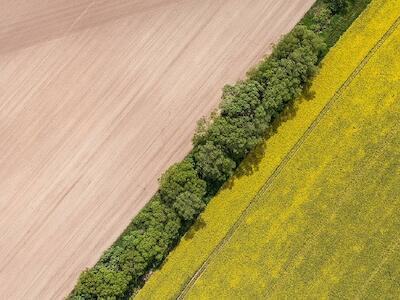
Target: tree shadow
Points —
{"points": [[247, 167], [251, 163], [189, 232], [307, 94], [198, 225]]}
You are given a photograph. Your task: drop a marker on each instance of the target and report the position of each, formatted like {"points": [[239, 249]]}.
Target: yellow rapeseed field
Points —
{"points": [[328, 226], [226, 208]]}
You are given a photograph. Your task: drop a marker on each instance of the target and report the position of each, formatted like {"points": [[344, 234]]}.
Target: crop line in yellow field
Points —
{"points": [[338, 205], [389, 252], [289, 156]]}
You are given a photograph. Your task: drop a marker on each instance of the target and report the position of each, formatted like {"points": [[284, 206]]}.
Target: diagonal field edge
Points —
{"points": [[288, 157]]}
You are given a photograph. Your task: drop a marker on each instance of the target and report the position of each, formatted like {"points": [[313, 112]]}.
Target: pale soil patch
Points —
{"points": [[96, 101]]}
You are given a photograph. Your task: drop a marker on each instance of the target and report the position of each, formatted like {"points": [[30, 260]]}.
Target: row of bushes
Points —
{"points": [[219, 145], [221, 142]]}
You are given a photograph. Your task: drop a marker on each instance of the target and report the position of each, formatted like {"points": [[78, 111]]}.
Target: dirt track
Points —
{"points": [[97, 98]]}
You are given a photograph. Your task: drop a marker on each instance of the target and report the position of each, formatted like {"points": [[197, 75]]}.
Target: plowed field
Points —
{"points": [[97, 98]]}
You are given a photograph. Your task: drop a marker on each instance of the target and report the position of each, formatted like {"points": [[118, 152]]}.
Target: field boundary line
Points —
{"points": [[328, 106]]}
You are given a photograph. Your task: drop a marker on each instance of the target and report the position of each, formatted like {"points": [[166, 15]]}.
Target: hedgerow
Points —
{"points": [[220, 143], [259, 167]]}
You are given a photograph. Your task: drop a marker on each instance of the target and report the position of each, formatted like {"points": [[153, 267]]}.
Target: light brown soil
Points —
{"points": [[97, 98]]}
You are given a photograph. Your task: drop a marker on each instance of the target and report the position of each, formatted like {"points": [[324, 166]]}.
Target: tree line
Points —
{"points": [[241, 122], [220, 143]]}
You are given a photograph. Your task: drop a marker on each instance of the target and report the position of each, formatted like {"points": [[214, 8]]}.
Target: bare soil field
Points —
{"points": [[97, 99]]}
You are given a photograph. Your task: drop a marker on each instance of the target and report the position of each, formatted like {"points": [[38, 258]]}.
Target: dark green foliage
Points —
{"points": [[181, 178], [152, 232], [241, 99], [330, 18], [220, 144], [288, 76], [322, 18], [248, 107], [337, 6], [294, 58], [240, 126], [181, 188], [298, 39], [142, 247], [157, 215], [212, 164], [188, 205], [101, 283], [245, 115], [236, 137]]}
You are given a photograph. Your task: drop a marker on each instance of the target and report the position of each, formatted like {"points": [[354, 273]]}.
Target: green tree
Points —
{"points": [[157, 214], [337, 6], [212, 163], [188, 205], [238, 136], [321, 17], [220, 144], [146, 242], [180, 178], [241, 99], [239, 127], [101, 283], [299, 37]]}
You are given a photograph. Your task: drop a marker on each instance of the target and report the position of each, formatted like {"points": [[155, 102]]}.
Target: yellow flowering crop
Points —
{"points": [[225, 209], [328, 226]]}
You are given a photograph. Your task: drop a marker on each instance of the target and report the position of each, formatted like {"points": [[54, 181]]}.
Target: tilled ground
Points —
{"points": [[97, 99]]}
